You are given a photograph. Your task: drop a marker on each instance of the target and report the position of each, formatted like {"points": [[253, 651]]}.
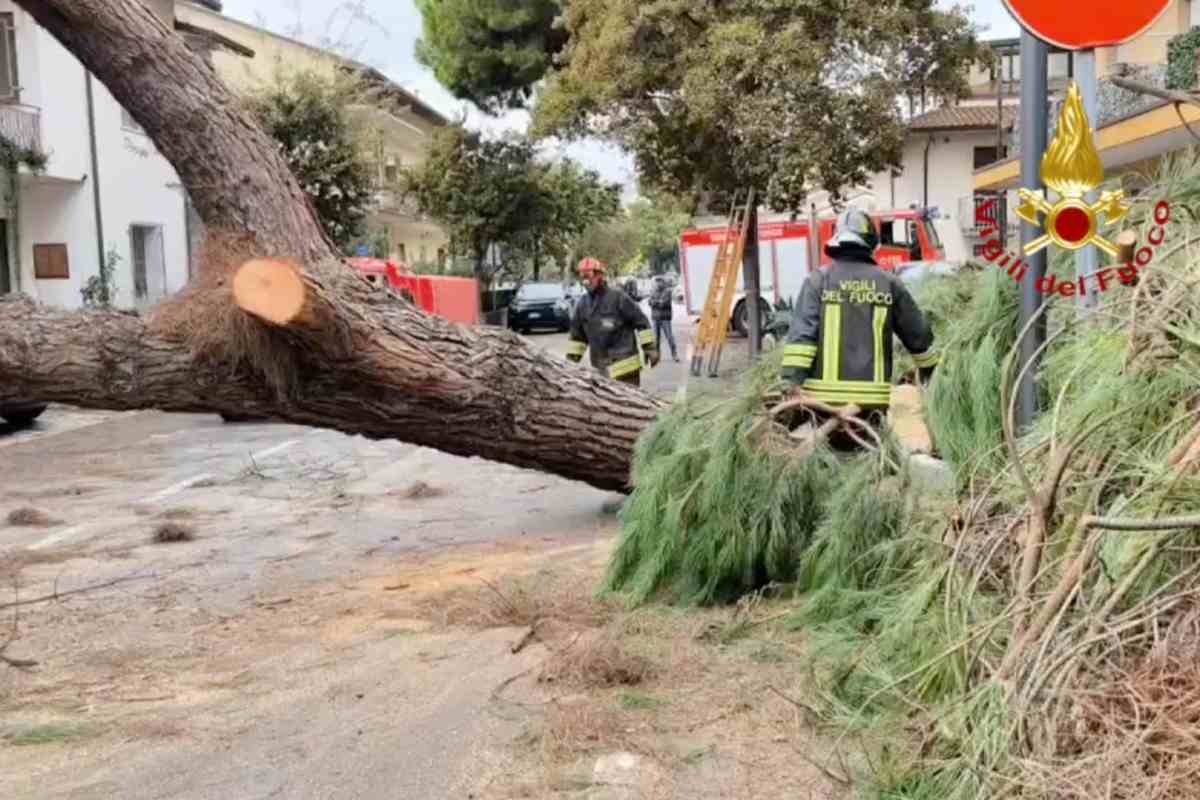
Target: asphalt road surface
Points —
{"points": [[270, 653]]}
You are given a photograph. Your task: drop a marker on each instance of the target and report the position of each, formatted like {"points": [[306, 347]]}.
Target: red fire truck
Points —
{"points": [[455, 299], [907, 237]]}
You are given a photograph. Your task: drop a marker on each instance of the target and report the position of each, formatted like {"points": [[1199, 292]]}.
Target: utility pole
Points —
{"points": [[1034, 114], [814, 240], [1087, 260], [750, 274]]}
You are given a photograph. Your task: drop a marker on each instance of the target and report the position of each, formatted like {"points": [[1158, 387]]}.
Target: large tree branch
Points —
{"points": [[334, 355], [472, 392]]}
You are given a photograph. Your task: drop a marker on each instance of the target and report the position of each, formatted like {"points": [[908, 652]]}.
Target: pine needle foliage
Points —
{"points": [[977, 313], [715, 513], [965, 676]]}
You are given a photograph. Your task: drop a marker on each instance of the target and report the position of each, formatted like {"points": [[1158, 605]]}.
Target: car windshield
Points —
{"points": [[540, 291]]}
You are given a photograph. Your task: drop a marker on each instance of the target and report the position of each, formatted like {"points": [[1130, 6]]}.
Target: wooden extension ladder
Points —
{"points": [[714, 319]]}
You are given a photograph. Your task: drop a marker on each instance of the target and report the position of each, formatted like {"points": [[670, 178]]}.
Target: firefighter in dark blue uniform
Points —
{"points": [[611, 326], [839, 347]]}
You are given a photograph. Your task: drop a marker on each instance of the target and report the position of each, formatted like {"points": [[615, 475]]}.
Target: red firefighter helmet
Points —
{"points": [[590, 265]]}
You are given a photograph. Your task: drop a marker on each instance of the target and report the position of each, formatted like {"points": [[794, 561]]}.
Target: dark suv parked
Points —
{"points": [[540, 305]]}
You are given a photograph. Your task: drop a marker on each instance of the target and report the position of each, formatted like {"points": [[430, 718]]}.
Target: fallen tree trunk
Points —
{"points": [[432, 383], [338, 355]]}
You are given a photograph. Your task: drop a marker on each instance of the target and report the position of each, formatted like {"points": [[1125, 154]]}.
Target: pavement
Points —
{"points": [[275, 651]]}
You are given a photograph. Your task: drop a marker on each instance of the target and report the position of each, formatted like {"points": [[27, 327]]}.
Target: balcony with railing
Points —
{"points": [[391, 201], [21, 125]]}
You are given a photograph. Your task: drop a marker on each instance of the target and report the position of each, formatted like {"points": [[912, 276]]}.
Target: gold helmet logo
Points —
{"points": [[1072, 168]]}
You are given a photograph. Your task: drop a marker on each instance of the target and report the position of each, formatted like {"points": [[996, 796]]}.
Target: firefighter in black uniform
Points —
{"points": [[839, 347], [612, 327]]}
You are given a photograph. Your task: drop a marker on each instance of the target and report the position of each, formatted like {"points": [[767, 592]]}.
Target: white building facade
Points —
{"points": [[105, 189]]}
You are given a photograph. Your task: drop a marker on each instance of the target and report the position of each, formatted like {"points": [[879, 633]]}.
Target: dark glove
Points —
{"points": [[794, 376]]}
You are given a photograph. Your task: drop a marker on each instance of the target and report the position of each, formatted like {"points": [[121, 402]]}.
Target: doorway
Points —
{"points": [[149, 264]]}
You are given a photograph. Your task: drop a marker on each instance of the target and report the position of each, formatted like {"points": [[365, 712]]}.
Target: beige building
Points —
{"points": [[396, 131], [1135, 132], [958, 157]]}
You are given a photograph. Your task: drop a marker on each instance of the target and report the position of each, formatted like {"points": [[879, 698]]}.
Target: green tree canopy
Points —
{"points": [[659, 220], [615, 242], [490, 52], [785, 96], [305, 113], [569, 199], [483, 191], [494, 193]]}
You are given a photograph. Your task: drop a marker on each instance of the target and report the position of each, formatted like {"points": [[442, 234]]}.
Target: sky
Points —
{"points": [[382, 33]]}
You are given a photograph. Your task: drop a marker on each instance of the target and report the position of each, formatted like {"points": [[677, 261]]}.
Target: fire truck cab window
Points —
{"points": [[895, 232], [900, 233]]}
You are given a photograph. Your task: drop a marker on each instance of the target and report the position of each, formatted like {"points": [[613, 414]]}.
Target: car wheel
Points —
{"points": [[24, 417], [741, 314]]}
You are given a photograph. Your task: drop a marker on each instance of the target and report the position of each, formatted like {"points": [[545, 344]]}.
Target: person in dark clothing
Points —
{"points": [[661, 312], [609, 325], [839, 347]]}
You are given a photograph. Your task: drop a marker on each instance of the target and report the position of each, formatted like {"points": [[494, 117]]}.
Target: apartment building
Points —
{"points": [[105, 188], [959, 157], [397, 130]]}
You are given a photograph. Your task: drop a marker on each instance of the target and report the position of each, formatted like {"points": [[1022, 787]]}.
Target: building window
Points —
{"points": [[10, 87], [987, 155], [50, 262], [129, 123], [149, 264], [391, 173], [400, 250]]}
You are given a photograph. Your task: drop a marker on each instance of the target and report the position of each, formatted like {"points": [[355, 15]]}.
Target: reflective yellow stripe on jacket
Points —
{"points": [[576, 349], [860, 393], [799, 355], [831, 342], [624, 367], [646, 338], [880, 322]]}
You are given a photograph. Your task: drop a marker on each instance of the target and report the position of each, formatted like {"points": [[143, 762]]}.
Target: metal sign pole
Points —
{"points": [[1087, 260], [751, 275], [814, 242], [1034, 115]]}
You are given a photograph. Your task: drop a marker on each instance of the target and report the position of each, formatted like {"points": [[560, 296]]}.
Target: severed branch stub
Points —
{"points": [[272, 290]]}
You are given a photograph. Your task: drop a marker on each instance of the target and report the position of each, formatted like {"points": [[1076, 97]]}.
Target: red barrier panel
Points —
{"points": [[455, 299]]}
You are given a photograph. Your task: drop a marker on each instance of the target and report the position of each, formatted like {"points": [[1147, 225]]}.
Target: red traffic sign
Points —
{"points": [[1082, 26]]}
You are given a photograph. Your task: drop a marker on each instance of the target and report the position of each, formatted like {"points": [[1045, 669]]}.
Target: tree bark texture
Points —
{"points": [[468, 391], [356, 362]]}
